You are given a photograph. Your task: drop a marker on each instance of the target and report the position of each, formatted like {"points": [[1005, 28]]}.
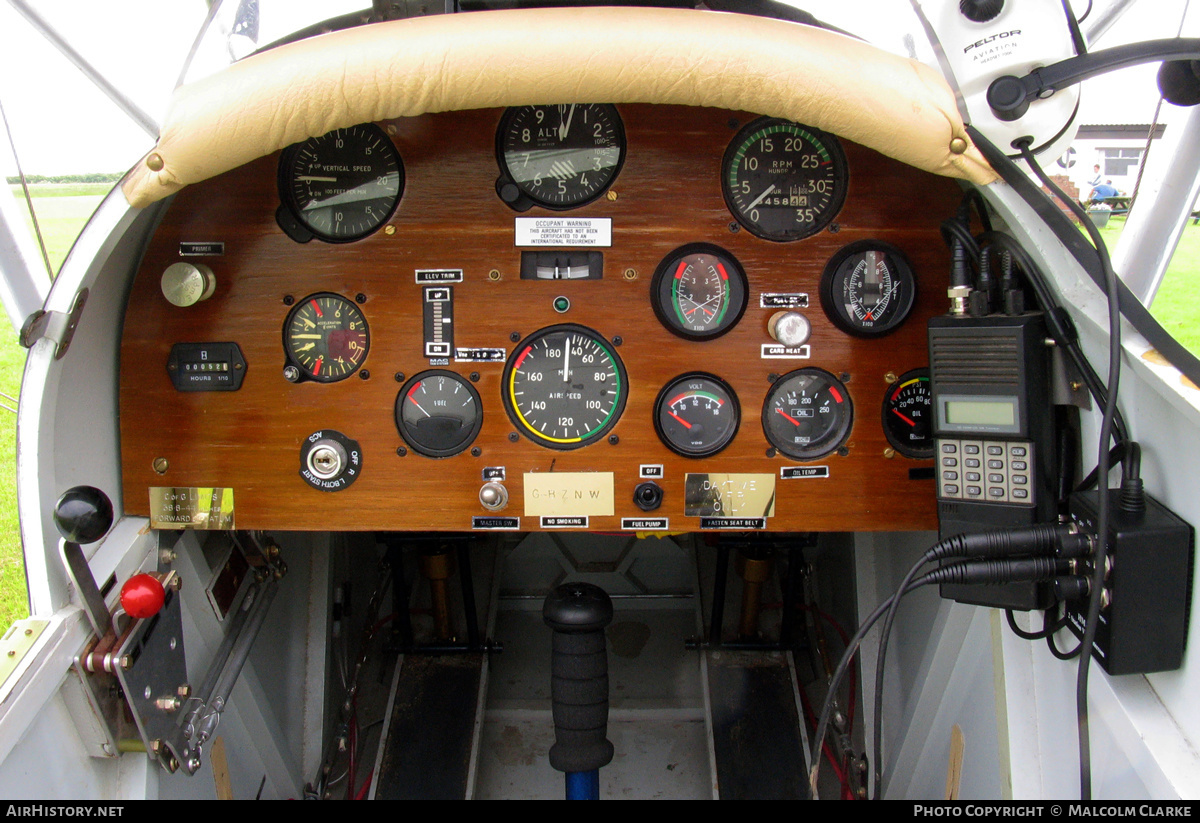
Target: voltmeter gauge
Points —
{"points": [[558, 157], [868, 288], [340, 186], [699, 291], [807, 414], [908, 415], [782, 180], [326, 338], [438, 413], [696, 415], [564, 387]]}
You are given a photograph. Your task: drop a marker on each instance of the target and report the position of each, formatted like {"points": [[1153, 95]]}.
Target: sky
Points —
{"points": [[63, 125]]}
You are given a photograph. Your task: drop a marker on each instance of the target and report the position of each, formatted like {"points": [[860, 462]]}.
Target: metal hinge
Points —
{"points": [[54, 325]]}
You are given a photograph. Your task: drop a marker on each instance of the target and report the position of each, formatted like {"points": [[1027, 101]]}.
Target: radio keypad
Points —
{"points": [[1007, 479]]}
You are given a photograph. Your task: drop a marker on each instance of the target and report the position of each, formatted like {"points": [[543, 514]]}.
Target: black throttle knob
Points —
{"points": [[578, 613], [83, 514]]}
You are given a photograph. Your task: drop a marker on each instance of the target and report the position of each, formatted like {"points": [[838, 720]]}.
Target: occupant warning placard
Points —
{"points": [[564, 231]]}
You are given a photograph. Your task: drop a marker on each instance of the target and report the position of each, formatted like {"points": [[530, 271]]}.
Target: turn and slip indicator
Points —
{"points": [[439, 321]]}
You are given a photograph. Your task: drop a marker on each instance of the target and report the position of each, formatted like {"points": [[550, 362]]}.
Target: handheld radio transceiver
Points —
{"points": [[995, 435]]}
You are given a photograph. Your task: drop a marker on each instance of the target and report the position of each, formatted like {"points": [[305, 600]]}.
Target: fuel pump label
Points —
{"points": [[191, 508]]}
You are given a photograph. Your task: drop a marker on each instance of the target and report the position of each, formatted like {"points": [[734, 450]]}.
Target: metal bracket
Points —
{"points": [[54, 325]]}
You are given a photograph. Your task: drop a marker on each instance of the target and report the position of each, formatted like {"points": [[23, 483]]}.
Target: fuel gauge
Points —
{"points": [[438, 413], [696, 415]]}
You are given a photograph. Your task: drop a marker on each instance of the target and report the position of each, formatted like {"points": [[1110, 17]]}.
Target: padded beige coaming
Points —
{"points": [[404, 68]]}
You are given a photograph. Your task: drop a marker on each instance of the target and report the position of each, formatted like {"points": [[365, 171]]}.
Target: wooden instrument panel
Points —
{"points": [[668, 194]]}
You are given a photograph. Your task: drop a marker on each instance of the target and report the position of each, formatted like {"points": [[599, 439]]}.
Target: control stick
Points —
{"points": [[578, 613]]}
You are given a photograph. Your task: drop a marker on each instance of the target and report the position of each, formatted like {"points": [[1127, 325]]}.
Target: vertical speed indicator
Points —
{"points": [[783, 181]]}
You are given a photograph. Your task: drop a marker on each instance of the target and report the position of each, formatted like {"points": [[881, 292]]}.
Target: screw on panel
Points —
{"points": [[365, 374], [834, 228], [844, 377], [474, 377], [889, 452], [630, 274], [512, 437], [360, 298], [288, 300], [612, 195], [161, 465], [613, 440], [475, 452], [399, 377], [401, 451], [514, 336], [616, 341], [890, 378], [843, 451], [389, 230], [734, 228], [494, 275], [772, 377], [770, 452], [291, 374]]}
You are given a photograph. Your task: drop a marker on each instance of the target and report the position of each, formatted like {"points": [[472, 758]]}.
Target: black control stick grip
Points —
{"points": [[83, 514], [578, 613]]}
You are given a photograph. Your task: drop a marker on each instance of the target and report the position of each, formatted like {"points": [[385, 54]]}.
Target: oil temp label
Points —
{"points": [[563, 231], [191, 508], [774, 351], [802, 472]]}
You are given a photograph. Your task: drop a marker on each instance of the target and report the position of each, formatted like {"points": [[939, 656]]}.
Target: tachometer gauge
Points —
{"points": [[908, 415], [868, 288], [438, 413], [783, 181], [326, 338], [696, 415], [564, 387], [558, 157], [807, 414], [699, 291], [340, 186]]}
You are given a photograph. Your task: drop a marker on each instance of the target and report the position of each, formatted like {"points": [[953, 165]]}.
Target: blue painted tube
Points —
{"points": [[583, 785]]}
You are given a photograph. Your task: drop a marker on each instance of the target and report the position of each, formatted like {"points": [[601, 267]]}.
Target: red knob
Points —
{"points": [[142, 596]]}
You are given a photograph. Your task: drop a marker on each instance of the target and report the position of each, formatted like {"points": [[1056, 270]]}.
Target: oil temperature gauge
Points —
{"points": [[696, 415], [807, 414], [438, 413]]}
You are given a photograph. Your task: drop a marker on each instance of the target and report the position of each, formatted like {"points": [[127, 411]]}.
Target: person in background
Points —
{"points": [[1095, 181], [1102, 192]]}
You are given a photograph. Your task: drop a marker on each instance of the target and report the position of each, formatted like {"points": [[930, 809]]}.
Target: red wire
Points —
{"points": [[827, 749]]}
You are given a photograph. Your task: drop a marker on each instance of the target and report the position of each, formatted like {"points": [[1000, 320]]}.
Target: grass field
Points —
{"points": [[63, 209]]}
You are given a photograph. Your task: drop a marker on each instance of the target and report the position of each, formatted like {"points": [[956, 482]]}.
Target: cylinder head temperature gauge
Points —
{"points": [[868, 288], [696, 415], [807, 414]]}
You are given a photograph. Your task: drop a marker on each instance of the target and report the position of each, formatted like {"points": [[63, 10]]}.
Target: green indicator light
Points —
{"points": [[561, 304]]}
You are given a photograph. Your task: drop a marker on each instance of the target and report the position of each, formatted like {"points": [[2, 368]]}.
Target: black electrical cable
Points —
{"points": [[1046, 631], [1064, 337], [1061, 655], [1102, 466], [1073, 25]]}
